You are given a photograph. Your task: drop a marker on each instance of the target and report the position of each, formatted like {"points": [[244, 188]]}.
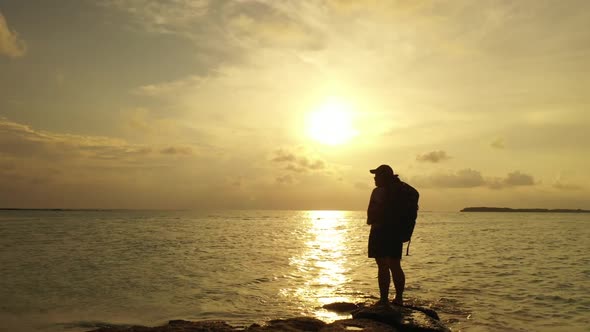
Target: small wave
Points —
{"points": [[92, 325], [505, 274], [255, 281], [554, 298]]}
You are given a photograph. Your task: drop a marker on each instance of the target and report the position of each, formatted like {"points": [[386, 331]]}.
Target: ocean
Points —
{"points": [[78, 270]]}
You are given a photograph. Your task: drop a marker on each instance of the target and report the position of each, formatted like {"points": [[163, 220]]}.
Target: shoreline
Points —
{"points": [[365, 316]]}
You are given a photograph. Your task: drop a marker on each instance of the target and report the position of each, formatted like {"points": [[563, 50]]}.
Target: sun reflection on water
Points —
{"points": [[322, 264]]}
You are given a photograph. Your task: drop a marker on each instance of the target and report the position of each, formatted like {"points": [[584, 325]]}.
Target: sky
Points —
{"points": [[278, 104]]}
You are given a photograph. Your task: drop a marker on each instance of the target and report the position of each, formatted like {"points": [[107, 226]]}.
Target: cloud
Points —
{"points": [[34, 158], [566, 186], [21, 141], [297, 163], [163, 16], [283, 156], [513, 179], [551, 138], [312, 164], [258, 24], [177, 150], [560, 184], [166, 89], [433, 157], [517, 178], [10, 44], [233, 24], [465, 178], [285, 179], [303, 165], [470, 178], [37, 164], [498, 144], [158, 126], [198, 26]]}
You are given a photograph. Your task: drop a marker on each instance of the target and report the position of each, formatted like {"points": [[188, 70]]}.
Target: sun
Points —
{"points": [[331, 123]]}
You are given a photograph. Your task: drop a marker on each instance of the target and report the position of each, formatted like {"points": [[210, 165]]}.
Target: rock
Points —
{"points": [[176, 326], [427, 311], [365, 317], [415, 320], [341, 307], [353, 325], [381, 313], [296, 324], [403, 318]]}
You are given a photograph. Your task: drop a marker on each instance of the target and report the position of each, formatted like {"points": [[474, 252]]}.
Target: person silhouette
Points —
{"points": [[384, 243]]}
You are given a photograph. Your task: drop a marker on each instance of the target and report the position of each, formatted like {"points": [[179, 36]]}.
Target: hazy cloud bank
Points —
{"points": [[470, 178], [10, 43], [561, 184], [566, 186], [47, 169], [162, 16], [19, 140]]}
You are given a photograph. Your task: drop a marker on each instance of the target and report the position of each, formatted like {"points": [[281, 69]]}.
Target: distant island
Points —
{"points": [[504, 209]]}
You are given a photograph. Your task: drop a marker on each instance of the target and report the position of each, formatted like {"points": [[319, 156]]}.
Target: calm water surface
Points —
{"points": [[76, 270]]}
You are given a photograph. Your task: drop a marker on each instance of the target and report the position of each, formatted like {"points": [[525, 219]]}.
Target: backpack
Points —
{"points": [[405, 210]]}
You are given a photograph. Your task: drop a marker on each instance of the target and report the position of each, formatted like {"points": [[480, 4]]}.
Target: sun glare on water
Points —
{"points": [[323, 263], [332, 123]]}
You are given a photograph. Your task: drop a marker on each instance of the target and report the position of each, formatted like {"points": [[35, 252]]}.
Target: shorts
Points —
{"points": [[384, 242]]}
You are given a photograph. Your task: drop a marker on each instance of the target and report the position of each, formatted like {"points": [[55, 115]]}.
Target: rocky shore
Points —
{"points": [[365, 317]]}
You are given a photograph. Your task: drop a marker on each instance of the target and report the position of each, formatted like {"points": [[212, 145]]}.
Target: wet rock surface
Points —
{"points": [[403, 318], [175, 326], [353, 325], [291, 324], [341, 307], [365, 317]]}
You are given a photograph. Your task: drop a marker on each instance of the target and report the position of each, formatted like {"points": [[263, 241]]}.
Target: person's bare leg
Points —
{"points": [[399, 279], [383, 279]]}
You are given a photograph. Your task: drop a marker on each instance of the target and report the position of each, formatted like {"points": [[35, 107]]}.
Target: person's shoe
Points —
{"points": [[381, 303], [398, 301]]}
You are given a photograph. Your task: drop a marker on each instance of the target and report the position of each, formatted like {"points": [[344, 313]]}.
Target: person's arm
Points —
{"points": [[375, 210]]}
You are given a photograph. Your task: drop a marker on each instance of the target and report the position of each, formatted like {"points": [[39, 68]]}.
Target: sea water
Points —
{"points": [[78, 270]]}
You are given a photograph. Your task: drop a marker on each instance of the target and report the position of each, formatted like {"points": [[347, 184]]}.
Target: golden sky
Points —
{"points": [[267, 104]]}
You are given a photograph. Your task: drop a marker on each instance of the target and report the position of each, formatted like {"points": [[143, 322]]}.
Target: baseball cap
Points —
{"points": [[383, 170]]}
